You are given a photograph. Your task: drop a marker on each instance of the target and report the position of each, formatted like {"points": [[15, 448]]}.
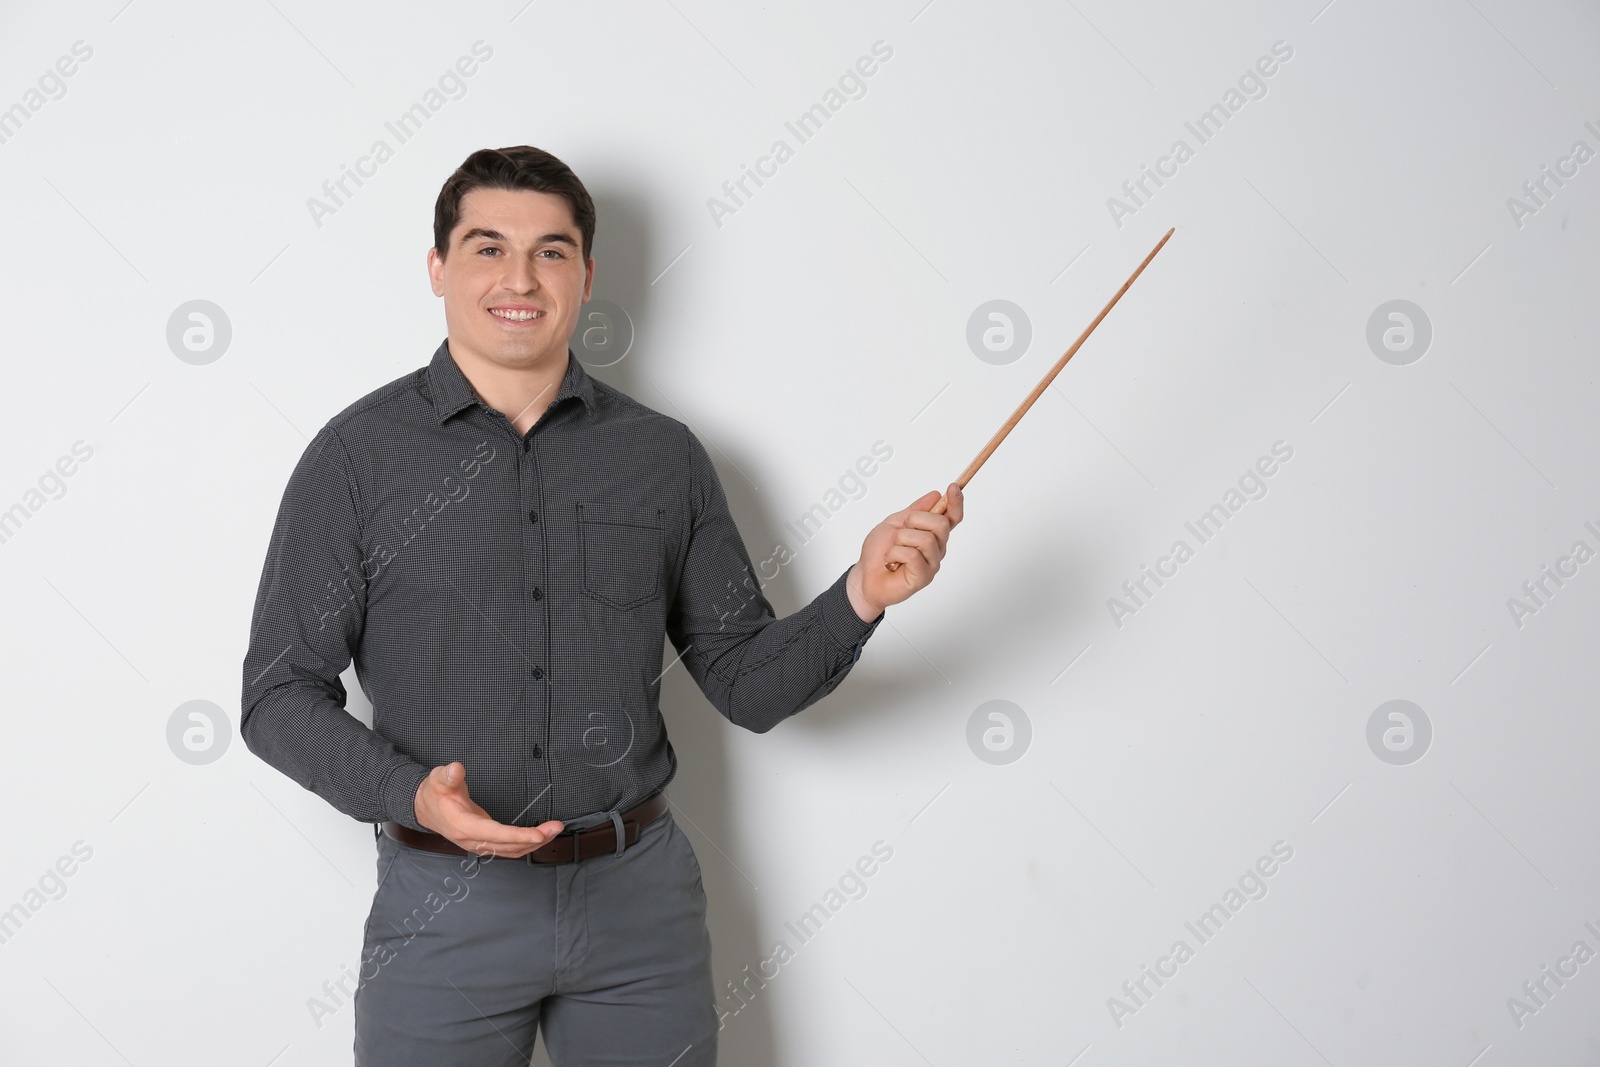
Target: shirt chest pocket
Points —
{"points": [[623, 546]]}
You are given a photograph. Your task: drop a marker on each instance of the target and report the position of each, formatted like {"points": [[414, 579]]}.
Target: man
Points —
{"points": [[501, 543]]}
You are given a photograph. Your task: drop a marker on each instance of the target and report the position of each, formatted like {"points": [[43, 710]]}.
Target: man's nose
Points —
{"points": [[521, 275]]}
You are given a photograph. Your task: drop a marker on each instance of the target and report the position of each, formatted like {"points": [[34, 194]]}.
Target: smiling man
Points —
{"points": [[502, 545]]}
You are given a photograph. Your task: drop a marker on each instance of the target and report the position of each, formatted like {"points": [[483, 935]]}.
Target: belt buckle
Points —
{"points": [[574, 834]]}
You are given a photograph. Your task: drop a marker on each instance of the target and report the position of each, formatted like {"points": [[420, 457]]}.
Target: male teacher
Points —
{"points": [[500, 542]]}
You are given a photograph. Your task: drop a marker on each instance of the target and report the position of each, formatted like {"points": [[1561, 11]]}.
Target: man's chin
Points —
{"points": [[514, 352]]}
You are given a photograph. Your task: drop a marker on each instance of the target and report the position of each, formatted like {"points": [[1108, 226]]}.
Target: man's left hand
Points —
{"points": [[916, 539]]}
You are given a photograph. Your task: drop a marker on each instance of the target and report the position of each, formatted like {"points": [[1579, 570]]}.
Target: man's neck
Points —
{"points": [[521, 395]]}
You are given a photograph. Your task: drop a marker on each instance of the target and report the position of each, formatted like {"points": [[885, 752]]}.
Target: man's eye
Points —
{"points": [[481, 251], [556, 252]]}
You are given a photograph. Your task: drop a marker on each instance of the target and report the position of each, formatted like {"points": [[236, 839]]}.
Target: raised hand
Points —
{"points": [[915, 540]]}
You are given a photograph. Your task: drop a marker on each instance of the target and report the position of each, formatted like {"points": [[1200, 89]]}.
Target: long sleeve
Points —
{"points": [[756, 669], [309, 614]]}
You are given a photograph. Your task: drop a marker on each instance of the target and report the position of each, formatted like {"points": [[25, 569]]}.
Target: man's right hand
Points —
{"points": [[444, 807]]}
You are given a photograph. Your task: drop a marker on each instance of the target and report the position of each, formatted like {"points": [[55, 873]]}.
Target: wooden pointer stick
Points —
{"points": [[1016, 416]]}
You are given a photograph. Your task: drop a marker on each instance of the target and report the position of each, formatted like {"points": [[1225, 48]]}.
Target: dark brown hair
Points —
{"points": [[517, 167]]}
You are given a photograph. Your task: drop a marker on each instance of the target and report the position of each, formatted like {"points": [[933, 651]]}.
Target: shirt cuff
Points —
{"points": [[399, 793], [840, 620]]}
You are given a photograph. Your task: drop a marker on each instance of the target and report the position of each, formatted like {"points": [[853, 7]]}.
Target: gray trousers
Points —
{"points": [[464, 958]]}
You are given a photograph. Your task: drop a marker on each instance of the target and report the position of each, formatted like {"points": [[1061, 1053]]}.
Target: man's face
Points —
{"points": [[512, 252]]}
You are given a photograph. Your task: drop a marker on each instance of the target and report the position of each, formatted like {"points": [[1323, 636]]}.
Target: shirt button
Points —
{"points": [[533, 516], [538, 752], [538, 594], [538, 672]]}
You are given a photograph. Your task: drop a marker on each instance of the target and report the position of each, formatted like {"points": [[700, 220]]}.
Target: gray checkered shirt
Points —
{"points": [[504, 599]]}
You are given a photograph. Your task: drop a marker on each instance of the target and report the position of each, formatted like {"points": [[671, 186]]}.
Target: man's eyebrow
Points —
{"points": [[496, 235]]}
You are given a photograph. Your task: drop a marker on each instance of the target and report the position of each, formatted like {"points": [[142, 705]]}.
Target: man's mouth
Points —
{"points": [[516, 314]]}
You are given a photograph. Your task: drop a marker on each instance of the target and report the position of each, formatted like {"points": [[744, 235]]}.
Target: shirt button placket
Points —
{"points": [[538, 629]]}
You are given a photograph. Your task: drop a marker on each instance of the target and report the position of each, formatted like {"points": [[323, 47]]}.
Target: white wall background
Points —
{"points": [[1168, 750]]}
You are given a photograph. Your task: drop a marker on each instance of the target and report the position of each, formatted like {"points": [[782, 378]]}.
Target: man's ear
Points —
{"points": [[588, 281], [435, 271]]}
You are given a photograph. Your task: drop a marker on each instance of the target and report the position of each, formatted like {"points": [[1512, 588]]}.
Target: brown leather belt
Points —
{"points": [[566, 847]]}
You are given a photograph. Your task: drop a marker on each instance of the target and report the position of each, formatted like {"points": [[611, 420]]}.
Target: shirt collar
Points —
{"points": [[452, 391]]}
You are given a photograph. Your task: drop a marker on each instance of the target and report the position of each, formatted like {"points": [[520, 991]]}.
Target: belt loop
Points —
{"points": [[576, 855], [622, 840], [377, 831]]}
